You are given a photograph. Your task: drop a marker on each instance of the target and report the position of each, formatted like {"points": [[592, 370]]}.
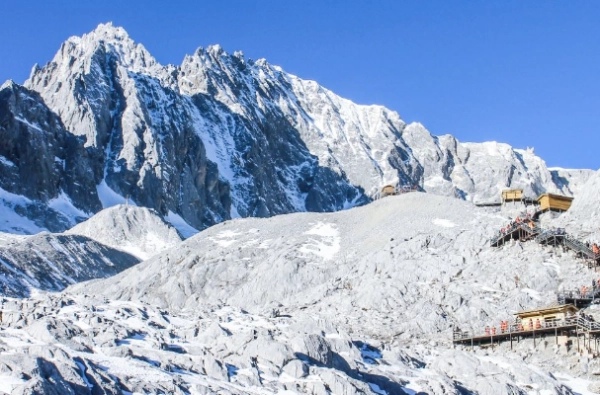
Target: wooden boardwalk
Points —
{"points": [[573, 326]]}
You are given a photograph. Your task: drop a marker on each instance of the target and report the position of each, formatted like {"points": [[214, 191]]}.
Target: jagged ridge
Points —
{"points": [[221, 136]]}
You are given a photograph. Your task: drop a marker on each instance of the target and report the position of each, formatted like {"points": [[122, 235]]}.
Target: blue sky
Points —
{"points": [[521, 72]]}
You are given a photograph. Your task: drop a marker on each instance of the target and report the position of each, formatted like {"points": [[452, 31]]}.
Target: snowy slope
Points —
{"points": [[584, 213], [136, 230], [396, 275]]}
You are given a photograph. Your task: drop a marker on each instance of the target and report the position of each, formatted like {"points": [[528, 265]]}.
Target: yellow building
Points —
{"points": [[388, 190], [511, 195], [550, 201], [545, 316]]}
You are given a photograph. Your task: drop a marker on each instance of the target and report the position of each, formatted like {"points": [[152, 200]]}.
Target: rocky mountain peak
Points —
{"points": [[221, 137], [8, 84]]}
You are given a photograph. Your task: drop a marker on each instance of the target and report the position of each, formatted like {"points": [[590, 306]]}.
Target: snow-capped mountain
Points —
{"points": [[219, 137]]}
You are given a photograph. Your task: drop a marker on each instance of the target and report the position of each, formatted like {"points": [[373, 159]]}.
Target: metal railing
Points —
{"points": [[519, 328], [590, 295], [580, 247], [524, 327], [543, 235], [514, 227]]}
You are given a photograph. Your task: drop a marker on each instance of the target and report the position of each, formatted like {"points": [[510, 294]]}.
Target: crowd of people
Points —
{"points": [[593, 246], [521, 219], [585, 291], [523, 325]]}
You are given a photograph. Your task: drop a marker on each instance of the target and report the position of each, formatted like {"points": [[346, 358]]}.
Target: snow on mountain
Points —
{"points": [[138, 231], [570, 181], [352, 302], [383, 285], [46, 179], [370, 145], [584, 214], [222, 136], [51, 262]]}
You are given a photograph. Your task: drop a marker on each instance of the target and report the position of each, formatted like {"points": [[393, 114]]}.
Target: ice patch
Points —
{"points": [[578, 385], [228, 234], [323, 229], [8, 383], [36, 127], [63, 204], [83, 376], [445, 223], [375, 388], [185, 230], [6, 162], [327, 246], [108, 197], [225, 238]]}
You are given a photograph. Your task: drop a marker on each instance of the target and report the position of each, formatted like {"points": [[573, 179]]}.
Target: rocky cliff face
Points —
{"points": [[222, 136], [51, 262], [46, 174]]}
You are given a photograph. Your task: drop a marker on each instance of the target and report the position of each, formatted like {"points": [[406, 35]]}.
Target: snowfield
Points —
{"points": [[356, 302]]}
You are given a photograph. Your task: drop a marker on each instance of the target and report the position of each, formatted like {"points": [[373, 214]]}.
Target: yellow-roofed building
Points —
{"points": [[531, 319], [512, 195], [550, 201]]}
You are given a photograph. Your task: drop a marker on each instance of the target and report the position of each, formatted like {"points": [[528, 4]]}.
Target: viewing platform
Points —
{"points": [[579, 298], [560, 320]]}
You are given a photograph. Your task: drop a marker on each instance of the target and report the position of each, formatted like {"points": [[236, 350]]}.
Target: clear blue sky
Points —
{"points": [[521, 72]]}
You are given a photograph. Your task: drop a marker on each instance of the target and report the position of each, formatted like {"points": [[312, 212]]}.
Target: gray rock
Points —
{"points": [[296, 368], [314, 349], [51, 262]]}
